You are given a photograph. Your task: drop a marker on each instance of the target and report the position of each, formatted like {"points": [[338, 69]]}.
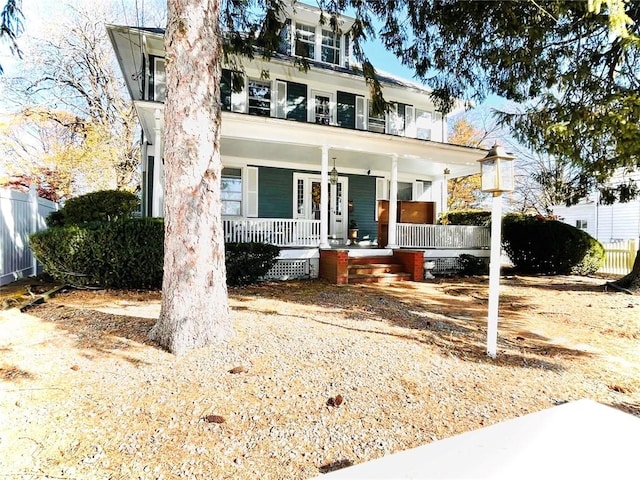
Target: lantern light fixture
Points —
{"points": [[333, 175], [496, 171]]}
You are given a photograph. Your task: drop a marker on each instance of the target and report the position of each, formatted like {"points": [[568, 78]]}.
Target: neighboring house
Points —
{"points": [[303, 153], [606, 223]]}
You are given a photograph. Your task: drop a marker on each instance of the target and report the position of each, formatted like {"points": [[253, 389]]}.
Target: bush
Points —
{"points": [[550, 247], [248, 262], [129, 254], [478, 218], [122, 254], [472, 265], [102, 206]]}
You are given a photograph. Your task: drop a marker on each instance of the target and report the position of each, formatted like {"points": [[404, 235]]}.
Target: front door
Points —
{"points": [[307, 203]]}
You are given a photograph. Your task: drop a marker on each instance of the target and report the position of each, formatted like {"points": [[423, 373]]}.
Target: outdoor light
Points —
{"points": [[497, 176], [496, 170], [333, 175]]}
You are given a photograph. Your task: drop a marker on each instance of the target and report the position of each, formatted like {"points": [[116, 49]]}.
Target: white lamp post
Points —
{"points": [[496, 170]]}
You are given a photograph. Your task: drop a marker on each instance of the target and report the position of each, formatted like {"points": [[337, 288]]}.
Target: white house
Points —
{"points": [[606, 223], [303, 153]]}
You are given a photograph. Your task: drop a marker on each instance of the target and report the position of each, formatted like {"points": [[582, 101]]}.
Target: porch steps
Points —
{"points": [[376, 269]]}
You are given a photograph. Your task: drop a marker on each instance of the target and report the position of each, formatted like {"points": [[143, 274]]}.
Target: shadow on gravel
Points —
{"points": [[99, 333], [454, 321]]}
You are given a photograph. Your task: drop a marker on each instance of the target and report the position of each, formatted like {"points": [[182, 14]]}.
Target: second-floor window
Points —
{"points": [[259, 98], [424, 121], [306, 41], [158, 80], [330, 52], [376, 120]]}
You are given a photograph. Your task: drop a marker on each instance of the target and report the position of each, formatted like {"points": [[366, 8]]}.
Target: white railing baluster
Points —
{"points": [[442, 236], [282, 232]]}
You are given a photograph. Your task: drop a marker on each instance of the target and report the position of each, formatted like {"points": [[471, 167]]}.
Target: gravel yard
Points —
{"points": [[323, 376]]}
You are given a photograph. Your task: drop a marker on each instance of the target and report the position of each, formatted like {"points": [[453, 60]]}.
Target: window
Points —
{"points": [[259, 98], [158, 84], [405, 191], [376, 121], [397, 119], [305, 41], [424, 122], [581, 224], [330, 51], [231, 191], [322, 109], [225, 89]]}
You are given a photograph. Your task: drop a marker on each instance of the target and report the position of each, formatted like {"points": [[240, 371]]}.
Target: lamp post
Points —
{"points": [[496, 170]]}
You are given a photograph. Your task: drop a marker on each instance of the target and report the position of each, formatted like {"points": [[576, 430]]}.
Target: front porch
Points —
{"points": [[302, 256]]}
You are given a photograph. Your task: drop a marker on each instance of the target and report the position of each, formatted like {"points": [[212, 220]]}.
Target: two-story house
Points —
{"points": [[304, 155]]}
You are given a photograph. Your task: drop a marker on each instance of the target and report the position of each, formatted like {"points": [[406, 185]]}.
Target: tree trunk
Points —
{"points": [[631, 281], [195, 308]]}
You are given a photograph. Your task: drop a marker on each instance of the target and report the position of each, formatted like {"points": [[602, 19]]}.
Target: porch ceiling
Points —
{"points": [[280, 142]]}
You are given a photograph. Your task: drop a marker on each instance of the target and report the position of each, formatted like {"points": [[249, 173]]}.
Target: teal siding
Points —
{"points": [[275, 190], [362, 191]]}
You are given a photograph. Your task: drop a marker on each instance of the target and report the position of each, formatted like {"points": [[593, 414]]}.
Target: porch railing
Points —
{"points": [[283, 232], [442, 236]]}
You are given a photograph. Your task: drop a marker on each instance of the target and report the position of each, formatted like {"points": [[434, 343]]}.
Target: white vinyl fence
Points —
{"points": [[619, 257], [21, 214]]}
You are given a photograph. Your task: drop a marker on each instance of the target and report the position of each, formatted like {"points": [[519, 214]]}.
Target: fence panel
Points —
{"points": [[21, 214], [619, 257]]}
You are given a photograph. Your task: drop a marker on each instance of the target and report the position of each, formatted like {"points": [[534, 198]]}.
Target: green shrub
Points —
{"points": [[478, 218], [122, 254], [550, 247], [248, 262], [129, 254], [593, 259], [102, 206], [55, 219], [472, 265]]}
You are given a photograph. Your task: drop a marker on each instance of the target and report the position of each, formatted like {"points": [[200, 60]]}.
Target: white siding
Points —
{"points": [[620, 221]]}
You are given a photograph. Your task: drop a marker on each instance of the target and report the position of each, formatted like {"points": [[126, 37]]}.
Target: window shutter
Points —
{"points": [[410, 122], [281, 99], [436, 132], [251, 191], [361, 109], [239, 100], [381, 193], [418, 189]]}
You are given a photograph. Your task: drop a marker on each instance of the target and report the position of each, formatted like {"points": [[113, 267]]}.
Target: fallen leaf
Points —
{"points": [[214, 419]]}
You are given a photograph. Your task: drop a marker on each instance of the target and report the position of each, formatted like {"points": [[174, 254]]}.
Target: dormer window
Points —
{"points": [[306, 41], [330, 47]]}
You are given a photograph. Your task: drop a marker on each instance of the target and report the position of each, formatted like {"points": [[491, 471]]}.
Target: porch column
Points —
{"points": [[393, 203], [158, 168], [445, 192], [324, 196]]}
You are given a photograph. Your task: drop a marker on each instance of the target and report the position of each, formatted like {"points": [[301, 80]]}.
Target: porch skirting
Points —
{"points": [[304, 263]]}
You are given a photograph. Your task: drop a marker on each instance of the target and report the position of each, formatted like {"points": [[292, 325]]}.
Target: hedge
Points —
{"points": [[539, 245]]}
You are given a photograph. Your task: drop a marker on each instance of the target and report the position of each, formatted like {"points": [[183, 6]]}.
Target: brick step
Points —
{"points": [[374, 268], [379, 278], [371, 260]]}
